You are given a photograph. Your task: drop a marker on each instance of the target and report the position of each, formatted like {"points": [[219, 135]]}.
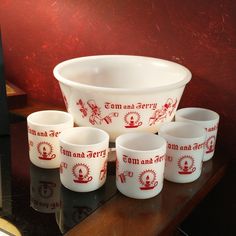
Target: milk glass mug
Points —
{"points": [[83, 155], [44, 128], [207, 119], [140, 164], [185, 150]]}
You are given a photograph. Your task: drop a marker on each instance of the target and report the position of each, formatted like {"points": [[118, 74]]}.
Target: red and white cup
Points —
{"points": [[207, 119], [83, 155], [44, 128], [185, 150], [140, 164]]}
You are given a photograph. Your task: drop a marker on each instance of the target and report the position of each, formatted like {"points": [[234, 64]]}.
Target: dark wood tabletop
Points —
{"points": [[156, 216]]}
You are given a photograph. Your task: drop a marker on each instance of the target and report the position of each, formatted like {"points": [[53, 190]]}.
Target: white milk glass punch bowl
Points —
{"points": [[121, 93]]}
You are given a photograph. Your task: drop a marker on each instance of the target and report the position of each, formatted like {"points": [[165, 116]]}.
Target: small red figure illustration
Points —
{"points": [[210, 144], [81, 173], [132, 120], [103, 171], [65, 101], [63, 166], [166, 110], [95, 118], [45, 150], [186, 165], [148, 180], [122, 176], [83, 110]]}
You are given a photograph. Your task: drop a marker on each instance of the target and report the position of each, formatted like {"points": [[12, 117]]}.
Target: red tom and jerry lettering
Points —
{"points": [[132, 118]]}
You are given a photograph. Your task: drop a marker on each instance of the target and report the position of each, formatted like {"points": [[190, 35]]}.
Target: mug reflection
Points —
{"points": [[44, 189], [77, 206]]}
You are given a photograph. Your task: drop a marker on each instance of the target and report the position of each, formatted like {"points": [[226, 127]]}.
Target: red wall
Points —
{"points": [[198, 34]]}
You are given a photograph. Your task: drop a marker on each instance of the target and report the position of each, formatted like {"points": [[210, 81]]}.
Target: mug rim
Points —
{"points": [[182, 114], [76, 129], [157, 137], [162, 130], [68, 116]]}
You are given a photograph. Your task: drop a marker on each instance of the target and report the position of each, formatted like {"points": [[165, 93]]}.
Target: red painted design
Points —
{"points": [[186, 165], [132, 120], [83, 110], [103, 171], [117, 166], [63, 166], [148, 180], [81, 172], [165, 111], [211, 30], [210, 144], [122, 176], [65, 101], [94, 112], [45, 150]]}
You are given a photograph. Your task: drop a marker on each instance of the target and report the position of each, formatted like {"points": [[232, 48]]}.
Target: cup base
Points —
{"points": [[141, 195], [183, 181], [207, 158], [44, 165], [80, 190]]}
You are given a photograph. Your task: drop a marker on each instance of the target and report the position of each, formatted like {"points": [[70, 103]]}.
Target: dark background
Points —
{"points": [[199, 34]]}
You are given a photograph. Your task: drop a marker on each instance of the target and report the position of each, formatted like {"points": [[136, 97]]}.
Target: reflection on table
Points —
{"points": [[47, 195]]}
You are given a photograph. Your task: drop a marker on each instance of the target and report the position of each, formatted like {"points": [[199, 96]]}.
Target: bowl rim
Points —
{"points": [[70, 83]]}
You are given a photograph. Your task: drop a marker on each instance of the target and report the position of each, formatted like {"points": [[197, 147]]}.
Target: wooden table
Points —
{"points": [[156, 216], [160, 215]]}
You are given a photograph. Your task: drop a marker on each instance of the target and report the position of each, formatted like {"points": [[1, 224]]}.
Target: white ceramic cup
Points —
{"points": [[185, 150], [83, 154], [140, 164], [44, 128], [207, 119]]}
